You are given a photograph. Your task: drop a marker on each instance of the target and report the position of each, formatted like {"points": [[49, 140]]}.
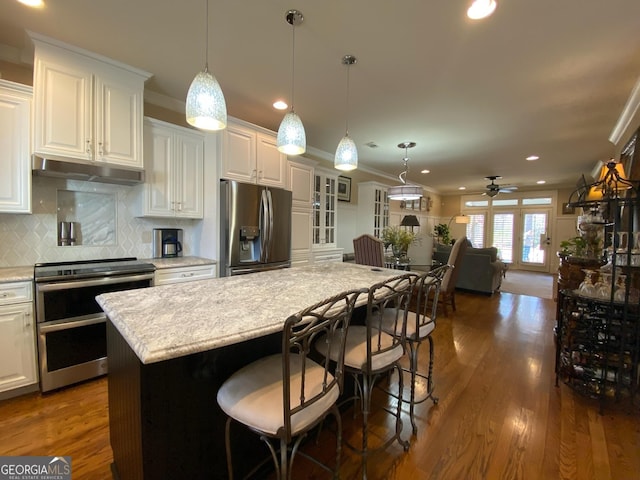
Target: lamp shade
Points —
{"points": [[462, 219], [404, 192], [409, 221], [292, 139], [346, 155], [206, 108]]}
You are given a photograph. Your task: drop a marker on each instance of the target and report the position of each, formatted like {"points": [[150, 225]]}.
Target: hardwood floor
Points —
{"points": [[500, 415]]}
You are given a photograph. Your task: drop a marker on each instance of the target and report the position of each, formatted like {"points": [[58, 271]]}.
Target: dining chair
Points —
{"points": [[448, 288], [282, 397], [369, 250], [370, 353], [421, 323]]}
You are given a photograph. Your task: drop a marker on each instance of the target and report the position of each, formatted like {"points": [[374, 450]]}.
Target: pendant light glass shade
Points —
{"points": [[404, 192], [346, 158], [291, 137], [346, 155], [206, 108]]}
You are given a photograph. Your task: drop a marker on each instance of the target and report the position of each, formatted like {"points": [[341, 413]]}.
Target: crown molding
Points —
{"points": [[628, 112]]}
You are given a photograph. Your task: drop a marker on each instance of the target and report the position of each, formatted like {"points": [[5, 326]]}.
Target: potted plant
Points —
{"points": [[442, 233], [399, 239], [574, 246]]}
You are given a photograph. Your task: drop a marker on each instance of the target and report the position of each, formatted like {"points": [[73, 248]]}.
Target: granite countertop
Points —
{"points": [[16, 274], [173, 262], [171, 321]]}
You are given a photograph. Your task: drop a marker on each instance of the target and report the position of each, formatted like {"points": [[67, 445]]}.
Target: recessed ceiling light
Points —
{"points": [[540, 182], [462, 188], [280, 105], [425, 171], [33, 3], [481, 9], [532, 157]]}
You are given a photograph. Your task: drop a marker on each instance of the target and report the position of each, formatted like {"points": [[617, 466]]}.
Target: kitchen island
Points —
{"points": [[171, 347]]}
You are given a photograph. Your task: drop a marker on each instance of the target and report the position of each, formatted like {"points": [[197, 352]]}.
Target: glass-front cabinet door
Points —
{"points": [[324, 210]]}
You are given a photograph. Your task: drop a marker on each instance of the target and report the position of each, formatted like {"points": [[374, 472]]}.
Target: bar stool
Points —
{"points": [[419, 326], [283, 396], [370, 353]]}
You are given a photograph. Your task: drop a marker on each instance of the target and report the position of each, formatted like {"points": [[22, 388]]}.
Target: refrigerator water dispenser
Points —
{"points": [[249, 244]]}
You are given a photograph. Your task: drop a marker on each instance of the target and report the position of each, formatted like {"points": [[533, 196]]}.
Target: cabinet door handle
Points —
{"points": [[179, 206], [260, 175], [88, 150], [4, 295], [101, 149], [253, 173], [184, 275]]}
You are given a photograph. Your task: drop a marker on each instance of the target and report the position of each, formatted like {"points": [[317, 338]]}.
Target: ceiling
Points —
{"points": [[542, 77]]}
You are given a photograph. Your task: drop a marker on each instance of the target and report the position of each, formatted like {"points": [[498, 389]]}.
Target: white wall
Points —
{"points": [[347, 229]]}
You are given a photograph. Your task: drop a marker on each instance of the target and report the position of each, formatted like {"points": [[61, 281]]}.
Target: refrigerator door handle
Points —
{"points": [[264, 226], [270, 225]]}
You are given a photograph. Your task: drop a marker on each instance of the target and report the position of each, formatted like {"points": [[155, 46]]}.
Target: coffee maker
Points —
{"points": [[167, 242]]}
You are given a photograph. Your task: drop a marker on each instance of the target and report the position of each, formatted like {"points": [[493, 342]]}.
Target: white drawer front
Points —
{"points": [[184, 274], [16, 292]]}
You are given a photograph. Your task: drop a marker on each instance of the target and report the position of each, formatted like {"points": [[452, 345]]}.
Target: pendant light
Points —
{"points": [[405, 192], [346, 158], [291, 137], [205, 105]]}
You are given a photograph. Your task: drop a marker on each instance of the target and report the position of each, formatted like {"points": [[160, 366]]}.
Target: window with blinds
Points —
{"points": [[476, 229], [503, 235]]}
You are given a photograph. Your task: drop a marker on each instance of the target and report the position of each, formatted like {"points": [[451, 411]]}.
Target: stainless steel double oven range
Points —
{"points": [[71, 326]]}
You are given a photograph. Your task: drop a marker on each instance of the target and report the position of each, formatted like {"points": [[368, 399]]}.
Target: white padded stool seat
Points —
{"points": [[253, 394], [355, 352], [389, 324]]}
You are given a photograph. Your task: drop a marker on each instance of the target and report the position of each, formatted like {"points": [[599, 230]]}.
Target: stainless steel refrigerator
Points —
{"points": [[255, 228]]}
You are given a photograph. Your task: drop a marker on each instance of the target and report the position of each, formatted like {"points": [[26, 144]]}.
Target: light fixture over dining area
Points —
{"points": [[346, 158], [291, 135], [405, 191], [205, 106]]}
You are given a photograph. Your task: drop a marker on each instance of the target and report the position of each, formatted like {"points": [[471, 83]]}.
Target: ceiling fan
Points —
{"points": [[494, 189]]}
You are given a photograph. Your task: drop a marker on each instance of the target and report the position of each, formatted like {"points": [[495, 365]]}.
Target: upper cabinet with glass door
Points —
{"points": [[324, 209], [86, 107]]}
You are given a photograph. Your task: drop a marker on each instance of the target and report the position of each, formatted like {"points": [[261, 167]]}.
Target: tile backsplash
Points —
{"points": [[28, 239]]}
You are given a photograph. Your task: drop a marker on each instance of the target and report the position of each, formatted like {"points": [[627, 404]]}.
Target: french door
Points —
{"points": [[522, 237]]}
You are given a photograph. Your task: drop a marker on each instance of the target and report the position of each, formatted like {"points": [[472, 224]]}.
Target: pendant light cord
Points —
{"points": [[347, 102], [206, 45], [293, 63]]}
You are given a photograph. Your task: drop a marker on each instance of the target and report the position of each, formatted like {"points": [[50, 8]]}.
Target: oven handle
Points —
{"points": [[74, 324], [49, 287]]}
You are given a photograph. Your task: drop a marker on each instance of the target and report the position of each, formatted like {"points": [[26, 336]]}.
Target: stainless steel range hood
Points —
{"points": [[53, 166]]}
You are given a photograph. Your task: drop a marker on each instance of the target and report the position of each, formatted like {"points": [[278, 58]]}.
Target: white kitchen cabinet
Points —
{"points": [[17, 336], [324, 209], [190, 273], [15, 141], [250, 155], [174, 178], [86, 107], [373, 208], [300, 177], [328, 255]]}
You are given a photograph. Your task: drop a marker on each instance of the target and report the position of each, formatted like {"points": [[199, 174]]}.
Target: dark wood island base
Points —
{"points": [[164, 419]]}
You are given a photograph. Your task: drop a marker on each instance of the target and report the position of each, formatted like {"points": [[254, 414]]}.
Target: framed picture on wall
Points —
{"points": [[344, 189], [567, 210]]}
